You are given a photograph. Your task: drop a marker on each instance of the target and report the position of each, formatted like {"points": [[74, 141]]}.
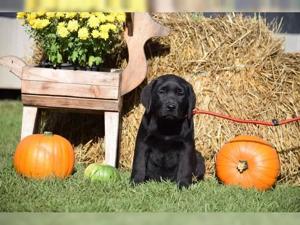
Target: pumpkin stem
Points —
{"points": [[242, 166], [48, 133]]}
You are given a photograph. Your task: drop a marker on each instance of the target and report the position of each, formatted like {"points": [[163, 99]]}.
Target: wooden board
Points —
{"points": [[71, 76], [69, 89], [42, 101]]}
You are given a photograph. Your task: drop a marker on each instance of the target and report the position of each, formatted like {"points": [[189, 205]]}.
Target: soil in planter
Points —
{"points": [[69, 66]]}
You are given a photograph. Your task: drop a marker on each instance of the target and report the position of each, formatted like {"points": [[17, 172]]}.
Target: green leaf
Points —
{"points": [[51, 36], [53, 47], [59, 58], [82, 60], [74, 56], [98, 60], [91, 61], [70, 44]]}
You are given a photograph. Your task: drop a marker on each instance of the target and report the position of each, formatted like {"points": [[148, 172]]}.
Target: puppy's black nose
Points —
{"points": [[171, 106]]}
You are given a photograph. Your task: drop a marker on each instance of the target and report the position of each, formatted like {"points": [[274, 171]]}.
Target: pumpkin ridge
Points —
{"points": [[262, 181], [265, 167], [229, 158], [35, 166], [247, 177], [27, 161], [251, 141], [274, 158], [63, 167]]}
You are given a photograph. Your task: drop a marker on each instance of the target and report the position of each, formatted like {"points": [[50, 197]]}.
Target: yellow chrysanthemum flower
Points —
{"points": [[113, 14], [104, 28], [50, 15], [111, 27], [104, 35], [95, 34], [121, 17], [108, 27], [97, 13], [93, 21], [71, 15], [73, 25], [31, 16], [39, 23], [101, 17], [21, 15], [110, 18], [43, 23], [61, 24], [40, 13], [31, 22], [60, 14], [62, 31], [85, 15], [83, 33]]}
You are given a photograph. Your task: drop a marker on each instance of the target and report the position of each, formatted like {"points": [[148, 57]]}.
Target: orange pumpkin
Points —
{"points": [[44, 155], [248, 161]]}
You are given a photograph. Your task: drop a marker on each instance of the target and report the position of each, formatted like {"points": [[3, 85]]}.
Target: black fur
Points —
{"points": [[165, 146]]}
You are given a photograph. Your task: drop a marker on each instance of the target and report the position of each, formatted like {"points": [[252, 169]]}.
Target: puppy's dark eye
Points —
{"points": [[179, 92], [162, 91]]}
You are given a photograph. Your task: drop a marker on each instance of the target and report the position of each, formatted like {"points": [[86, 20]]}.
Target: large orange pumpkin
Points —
{"points": [[248, 161], [44, 155]]}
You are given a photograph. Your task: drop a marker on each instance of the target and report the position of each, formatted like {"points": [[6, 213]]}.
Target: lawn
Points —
{"points": [[78, 195]]}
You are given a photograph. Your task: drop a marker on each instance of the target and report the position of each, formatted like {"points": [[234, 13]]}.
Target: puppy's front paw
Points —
{"points": [[137, 180], [183, 184]]}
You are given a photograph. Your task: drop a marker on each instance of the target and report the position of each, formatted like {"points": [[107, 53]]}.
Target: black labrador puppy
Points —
{"points": [[165, 146]]}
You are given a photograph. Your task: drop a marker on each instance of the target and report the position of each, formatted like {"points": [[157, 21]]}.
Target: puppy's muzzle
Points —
{"points": [[171, 106]]}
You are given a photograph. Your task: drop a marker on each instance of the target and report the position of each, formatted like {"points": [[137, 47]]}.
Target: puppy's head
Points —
{"points": [[169, 97]]}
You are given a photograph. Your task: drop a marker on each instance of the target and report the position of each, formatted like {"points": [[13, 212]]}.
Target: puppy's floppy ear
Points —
{"points": [[191, 101], [146, 95]]}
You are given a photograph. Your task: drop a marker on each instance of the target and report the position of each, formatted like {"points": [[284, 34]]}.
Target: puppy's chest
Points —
{"points": [[165, 154], [163, 159]]}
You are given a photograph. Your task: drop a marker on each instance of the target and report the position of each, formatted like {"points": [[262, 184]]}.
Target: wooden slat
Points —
{"points": [[70, 103], [67, 89], [71, 76]]}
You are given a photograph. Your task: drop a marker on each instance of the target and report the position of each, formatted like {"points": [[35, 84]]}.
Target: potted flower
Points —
{"points": [[80, 39]]}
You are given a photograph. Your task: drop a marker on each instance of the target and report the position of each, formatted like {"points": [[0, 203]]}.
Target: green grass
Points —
{"points": [[78, 195]]}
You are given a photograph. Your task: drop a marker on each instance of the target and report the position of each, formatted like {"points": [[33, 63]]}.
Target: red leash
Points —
{"points": [[274, 122]]}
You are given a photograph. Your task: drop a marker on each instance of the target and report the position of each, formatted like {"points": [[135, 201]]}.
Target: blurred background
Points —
{"points": [[152, 5]]}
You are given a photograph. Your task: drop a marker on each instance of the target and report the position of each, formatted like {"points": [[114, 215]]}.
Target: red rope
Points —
{"points": [[274, 122]]}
